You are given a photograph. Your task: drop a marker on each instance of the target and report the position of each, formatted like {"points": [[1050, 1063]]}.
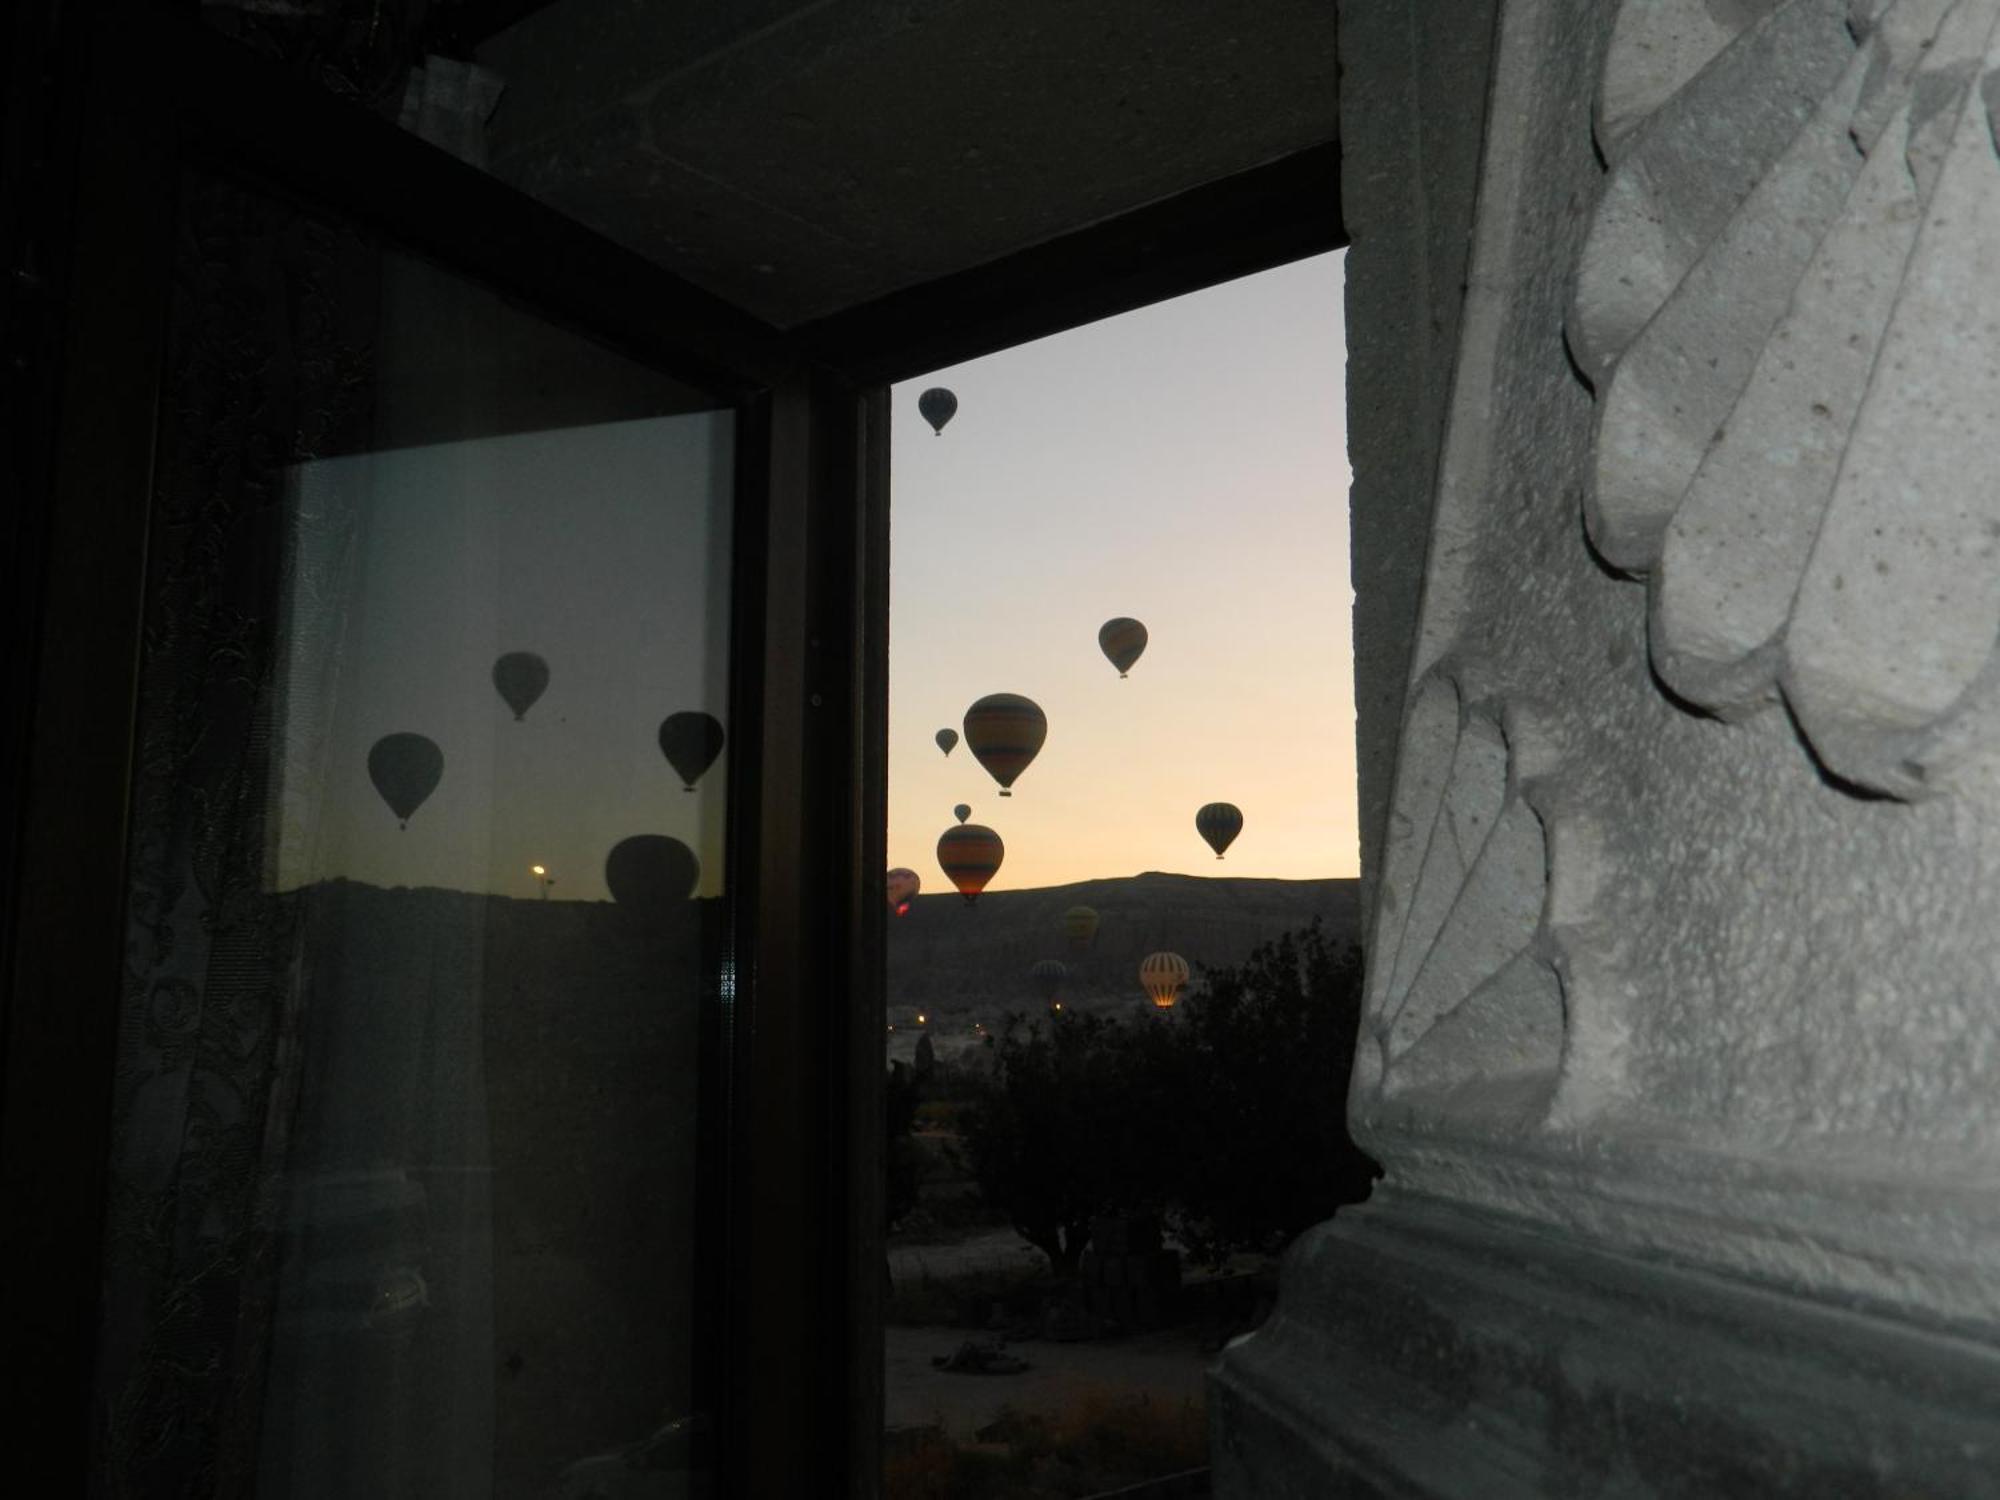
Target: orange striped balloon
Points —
{"points": [[970, 855], [1005, 732], [1163, 974], [1122, 641]]}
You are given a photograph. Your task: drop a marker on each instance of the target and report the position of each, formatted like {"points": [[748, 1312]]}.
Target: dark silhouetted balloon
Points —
{"points": [[1163, 974], [650, 873], [1048, 976], [939, 406], [1219, 823], [962, 811], [970, 855], [522, 677], [690, 740], [902, 886], [947, 740], [406, 769], [1005, 732], [1122, 641], [1079, 925]]}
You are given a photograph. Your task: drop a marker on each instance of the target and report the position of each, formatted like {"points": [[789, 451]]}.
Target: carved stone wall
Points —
{"points": [[1683, 958]]}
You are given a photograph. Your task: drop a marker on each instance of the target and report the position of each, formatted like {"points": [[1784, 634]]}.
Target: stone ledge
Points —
{"points": [[1421, 1350]]}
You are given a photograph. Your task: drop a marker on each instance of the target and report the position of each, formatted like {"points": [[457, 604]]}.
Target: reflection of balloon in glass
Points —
{"points": [[1122, 641], [406, 769], [1049, 975], [947, 740], [1079, 925], [962, 811], [650, 873], [902, 885], [522, 677], [938, 406], [969, 855], [690, 740], [1219, 823], [1163, 974], [1005, 732]]}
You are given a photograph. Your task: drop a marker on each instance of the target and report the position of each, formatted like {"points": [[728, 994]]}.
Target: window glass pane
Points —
{"points": [[428, 882]]}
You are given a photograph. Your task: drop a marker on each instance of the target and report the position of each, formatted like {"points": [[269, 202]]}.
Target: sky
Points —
{"points": [[1186, 465]]}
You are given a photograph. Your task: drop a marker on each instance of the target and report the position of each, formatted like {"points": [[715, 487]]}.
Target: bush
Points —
{"points": [[1226, 1118]]}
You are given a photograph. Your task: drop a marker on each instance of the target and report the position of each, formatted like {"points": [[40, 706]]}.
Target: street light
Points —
{"points": [[542, 878]]}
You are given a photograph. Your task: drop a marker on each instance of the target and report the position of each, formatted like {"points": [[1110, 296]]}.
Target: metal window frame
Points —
{"points": [[113, 98]]}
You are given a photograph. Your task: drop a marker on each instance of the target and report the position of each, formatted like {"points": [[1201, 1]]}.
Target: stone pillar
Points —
{"points": [[1682, 1044]]}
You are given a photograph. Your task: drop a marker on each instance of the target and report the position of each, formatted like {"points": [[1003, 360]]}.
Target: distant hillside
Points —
{"points": [[950, 959]]}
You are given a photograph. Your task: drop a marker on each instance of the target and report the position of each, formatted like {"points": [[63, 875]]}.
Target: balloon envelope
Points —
{"points": [[522, 677], [1079, 925], [947, 740], [406, 769], [1163, 974], [1005, 733], [962, 811], [690, 740], [650, 873], [1122, 641], [1048, 976], [969, 855], [938, 406], [1219, 823], [902, 885]]}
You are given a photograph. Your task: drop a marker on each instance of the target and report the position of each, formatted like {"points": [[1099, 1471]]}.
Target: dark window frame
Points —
{"points": [[109, 102]]}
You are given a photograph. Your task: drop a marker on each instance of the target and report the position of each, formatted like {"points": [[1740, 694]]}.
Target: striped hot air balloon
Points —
{"points": [[902, 886], [1123, 642], [1079, 925], [969, 855], [1005, 732], [1218, 823], [1163, 974]]}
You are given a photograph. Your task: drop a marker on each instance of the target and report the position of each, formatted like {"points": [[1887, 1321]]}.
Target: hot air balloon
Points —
{"points": [[962, 811], [650, 873], [947, 740], [406, 769], [938, 406], [1048, 976], [1219, 823], [1079, 925], [690, 740], [1163, 974], [522, 677], [969, 855], [1122, 641], [902, 886], [1005, 732]]}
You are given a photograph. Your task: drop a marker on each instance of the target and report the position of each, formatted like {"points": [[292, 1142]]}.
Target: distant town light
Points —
{"points": [[922, 1019]]}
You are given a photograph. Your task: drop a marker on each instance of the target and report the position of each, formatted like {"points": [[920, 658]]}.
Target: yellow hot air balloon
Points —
{"points": [[1163, 974], [1079, 925], [1005, 733], [969, 855]]}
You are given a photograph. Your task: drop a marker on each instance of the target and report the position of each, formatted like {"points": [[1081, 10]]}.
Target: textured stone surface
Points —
{"points": [[1411, 120], [1474, 1357], [1722, 1048]]}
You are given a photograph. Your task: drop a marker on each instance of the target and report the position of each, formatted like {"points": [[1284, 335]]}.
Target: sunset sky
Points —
{"points": [[1186, 465]]}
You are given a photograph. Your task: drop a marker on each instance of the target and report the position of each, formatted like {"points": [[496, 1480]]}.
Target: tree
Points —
{"points": [[1043, 1138], [1227, 1118], [1266, 1049]]}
